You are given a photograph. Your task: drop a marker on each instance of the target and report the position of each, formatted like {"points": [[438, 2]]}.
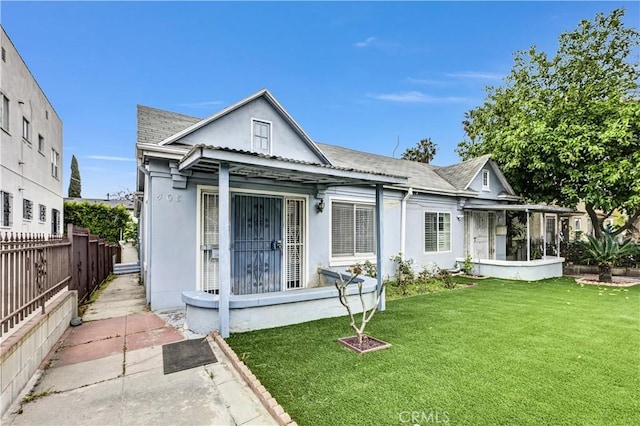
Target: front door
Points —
{"points": [[256, 250]]}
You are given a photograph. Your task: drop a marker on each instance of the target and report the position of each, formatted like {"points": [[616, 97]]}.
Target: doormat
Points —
{"points": [[186, 354]]}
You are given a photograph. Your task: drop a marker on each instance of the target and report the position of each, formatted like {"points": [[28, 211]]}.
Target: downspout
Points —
{"points": [[403, 221]]}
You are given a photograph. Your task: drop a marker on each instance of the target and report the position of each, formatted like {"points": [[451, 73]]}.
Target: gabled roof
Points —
{"points": [[420, 175], [264, 93], [461, 175], [156, 125]]}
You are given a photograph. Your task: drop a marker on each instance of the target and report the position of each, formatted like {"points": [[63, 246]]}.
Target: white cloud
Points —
{"points": [[203, 104], [365, 43], [415, 97], [476, 75], [110, 158]]}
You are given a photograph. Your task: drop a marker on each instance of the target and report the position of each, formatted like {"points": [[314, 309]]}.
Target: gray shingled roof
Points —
{"points": [[155, 125], [460, 174], [420, 175]]}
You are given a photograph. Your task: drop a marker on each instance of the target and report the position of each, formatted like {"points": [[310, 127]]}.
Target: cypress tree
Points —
{"points": [[75, 185]]}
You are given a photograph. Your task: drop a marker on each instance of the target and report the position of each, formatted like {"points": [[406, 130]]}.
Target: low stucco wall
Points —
{"points": [[534, 270], [25, 349], [268, 310]]}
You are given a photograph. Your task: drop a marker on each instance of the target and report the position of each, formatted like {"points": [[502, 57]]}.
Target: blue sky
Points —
{"points": [[359, 75]]}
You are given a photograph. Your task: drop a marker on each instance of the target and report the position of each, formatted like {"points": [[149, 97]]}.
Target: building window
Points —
{"points": [[55, 222], [4, 55], [578, 225], [4, 112], [352, 229], [26, 129], [485, 180], [6, 202], [27, 209], [40, 143], [55, 160], [42, 213], [261, 137], [437, 232]]}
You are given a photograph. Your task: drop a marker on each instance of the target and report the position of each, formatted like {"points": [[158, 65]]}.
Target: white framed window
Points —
{"points": [[26, 129], [353, 232], [6, 204], [577, 225], [27, 209], [261, 136], [40, 143], [485, 180], [4, 112], [437, 232], [55, 160]]}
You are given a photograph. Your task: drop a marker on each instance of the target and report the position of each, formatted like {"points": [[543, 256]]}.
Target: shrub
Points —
{"points": [[101, 219]]}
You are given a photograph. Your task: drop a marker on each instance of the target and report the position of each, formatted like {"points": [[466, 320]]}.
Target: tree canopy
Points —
{"points": [[75, 185], [423, 152], [567, 128]]}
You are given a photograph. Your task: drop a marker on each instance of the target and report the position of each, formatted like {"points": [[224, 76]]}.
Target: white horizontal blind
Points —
{"points": [[365, 229], [444, 231], [210, 243], [342, 229], [294, 247]]}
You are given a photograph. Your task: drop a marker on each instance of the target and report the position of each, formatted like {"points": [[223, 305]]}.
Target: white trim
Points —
{"points": [[274, 194], [348, 260], [260, 120], [438, 212], [487, 173]]}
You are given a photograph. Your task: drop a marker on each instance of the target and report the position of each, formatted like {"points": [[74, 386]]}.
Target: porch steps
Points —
{"points": [[126, 268]]}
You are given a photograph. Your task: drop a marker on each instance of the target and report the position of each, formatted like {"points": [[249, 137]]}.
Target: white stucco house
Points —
{"points": [[244, 218], [31, 199]]}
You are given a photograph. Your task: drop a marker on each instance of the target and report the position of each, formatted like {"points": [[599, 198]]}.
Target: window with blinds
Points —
{"points": [[437, 232], [352, 229]]}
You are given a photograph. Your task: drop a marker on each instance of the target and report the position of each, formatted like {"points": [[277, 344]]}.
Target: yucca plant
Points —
{"points": [[605, 252]]}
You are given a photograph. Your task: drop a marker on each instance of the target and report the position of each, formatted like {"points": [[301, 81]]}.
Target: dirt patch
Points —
{"points": [[616, 281], [369, 344]]}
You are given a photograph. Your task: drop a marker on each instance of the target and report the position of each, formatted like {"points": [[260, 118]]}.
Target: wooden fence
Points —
{"points": [[34, 268]]}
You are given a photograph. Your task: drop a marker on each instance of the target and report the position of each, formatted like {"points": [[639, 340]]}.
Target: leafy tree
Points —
{"points": [[423, 152], [567, 128], [101, 219], [75, 185], [605, 252]]}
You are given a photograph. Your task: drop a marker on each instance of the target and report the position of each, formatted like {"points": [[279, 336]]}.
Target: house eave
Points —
{"points": [[208, 158]]}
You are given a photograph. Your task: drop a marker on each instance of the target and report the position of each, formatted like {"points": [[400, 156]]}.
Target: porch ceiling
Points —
{"points": [[541, 208], [252, 165]]}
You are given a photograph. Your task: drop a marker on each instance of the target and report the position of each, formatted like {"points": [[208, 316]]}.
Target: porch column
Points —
{"points": [[557, 234], [225, 250], [528, 238], [544, 235], [379, 238]]}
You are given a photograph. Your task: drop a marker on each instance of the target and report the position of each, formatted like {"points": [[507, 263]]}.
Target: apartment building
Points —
{"points": [[31, 198]]}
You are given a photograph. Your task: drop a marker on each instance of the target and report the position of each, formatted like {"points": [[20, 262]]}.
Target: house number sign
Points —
{"points": [[170, 198]]}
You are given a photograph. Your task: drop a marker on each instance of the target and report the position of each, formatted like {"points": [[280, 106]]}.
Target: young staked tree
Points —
{"points": [[423, 152], [567, 128], [75, 184]]}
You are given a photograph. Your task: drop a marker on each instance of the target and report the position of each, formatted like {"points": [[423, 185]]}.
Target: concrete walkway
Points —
{"points": [[109, 371]]}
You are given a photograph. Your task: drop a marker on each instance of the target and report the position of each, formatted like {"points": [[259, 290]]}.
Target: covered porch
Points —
{"points": [[520, 242], [252, 260]]}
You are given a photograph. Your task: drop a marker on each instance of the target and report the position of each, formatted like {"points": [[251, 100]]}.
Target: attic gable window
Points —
{"points": [[485, 180], [261, 136]]}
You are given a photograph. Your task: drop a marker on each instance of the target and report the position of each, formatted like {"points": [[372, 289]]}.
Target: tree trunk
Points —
{"points": [[604, 273]]}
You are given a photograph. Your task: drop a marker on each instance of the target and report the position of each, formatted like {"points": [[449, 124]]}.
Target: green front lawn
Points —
{"points": [[502, 352]]}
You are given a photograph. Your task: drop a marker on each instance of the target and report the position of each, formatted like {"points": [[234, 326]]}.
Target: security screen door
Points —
{"points": [[256, 250]]}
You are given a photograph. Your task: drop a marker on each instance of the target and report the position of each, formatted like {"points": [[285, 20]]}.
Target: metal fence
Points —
{"points": [[33, 268]]}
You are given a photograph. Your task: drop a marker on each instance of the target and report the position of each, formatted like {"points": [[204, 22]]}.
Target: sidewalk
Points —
{"points": [[109, 371]]}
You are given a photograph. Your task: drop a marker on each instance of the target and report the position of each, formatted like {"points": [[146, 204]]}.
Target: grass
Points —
{"points": [[501, 352]]}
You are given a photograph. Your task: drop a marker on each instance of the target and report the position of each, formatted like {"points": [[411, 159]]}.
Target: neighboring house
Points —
{"points": [[243, 217], [30, 151]]}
